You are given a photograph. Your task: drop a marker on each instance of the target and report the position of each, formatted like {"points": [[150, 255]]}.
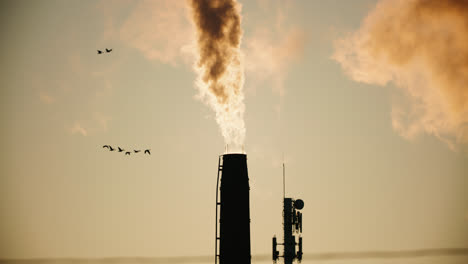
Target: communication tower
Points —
{"points": [[292, 226]]}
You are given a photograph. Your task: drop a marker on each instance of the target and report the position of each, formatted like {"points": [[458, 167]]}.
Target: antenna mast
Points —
{"points": [[292, 226], [284, 182]]}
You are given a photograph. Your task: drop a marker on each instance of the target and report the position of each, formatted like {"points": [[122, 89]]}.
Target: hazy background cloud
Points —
{"points": [[160, 30], [46, 98], [419, 46], [78, 128], [270, 55], [273, 45]]}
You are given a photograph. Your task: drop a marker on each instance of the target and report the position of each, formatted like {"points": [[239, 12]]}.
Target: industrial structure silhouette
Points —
{"points": [[232, 243]]}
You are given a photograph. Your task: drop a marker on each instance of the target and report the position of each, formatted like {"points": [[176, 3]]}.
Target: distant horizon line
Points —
{"points": [[331, 255]]}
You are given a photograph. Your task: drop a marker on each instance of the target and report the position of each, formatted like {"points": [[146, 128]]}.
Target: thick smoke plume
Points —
{"points": [[219, 66], [420, 46]]}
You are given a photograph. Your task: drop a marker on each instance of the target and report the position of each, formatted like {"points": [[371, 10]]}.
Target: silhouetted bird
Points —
{"points": [[136, 151], [108, 50], [120, 149], [147, 151], [127, 153], [105, 146], [111, 149], [99, 52]]}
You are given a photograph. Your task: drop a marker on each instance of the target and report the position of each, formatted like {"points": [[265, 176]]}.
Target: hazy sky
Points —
{"points": [[366, 185]]}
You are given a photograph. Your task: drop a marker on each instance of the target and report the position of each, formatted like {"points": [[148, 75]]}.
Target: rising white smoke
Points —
{"points": [[219, 65]]}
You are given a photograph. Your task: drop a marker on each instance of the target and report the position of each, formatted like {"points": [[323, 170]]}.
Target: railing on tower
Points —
{"points": [[218, 204]]}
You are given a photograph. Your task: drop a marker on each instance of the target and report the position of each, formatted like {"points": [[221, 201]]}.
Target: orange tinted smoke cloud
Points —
{"points": [[219, 66], [422, 47]]}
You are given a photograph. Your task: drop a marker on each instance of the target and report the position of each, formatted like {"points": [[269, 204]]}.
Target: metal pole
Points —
{"points": [[284, 182]]}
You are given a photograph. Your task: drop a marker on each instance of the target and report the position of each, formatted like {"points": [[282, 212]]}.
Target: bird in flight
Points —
{"points": [[106, 146], [127, 153], [147, 151], [108, 50], [99, 52], [111, 149], [136, 151], [120, 149]]}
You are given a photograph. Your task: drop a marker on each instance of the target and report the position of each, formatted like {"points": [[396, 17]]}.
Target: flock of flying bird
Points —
{"points": [[147, 151]]}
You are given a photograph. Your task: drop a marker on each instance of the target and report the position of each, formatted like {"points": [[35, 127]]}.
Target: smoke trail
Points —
{"points": [[220, 69], [420, 46]]}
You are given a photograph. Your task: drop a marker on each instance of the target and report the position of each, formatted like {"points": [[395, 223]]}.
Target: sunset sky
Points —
{"points": [[374, 134]]}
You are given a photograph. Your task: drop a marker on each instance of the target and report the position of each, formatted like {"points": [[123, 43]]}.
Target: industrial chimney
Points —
{"points": [[232, 207]]}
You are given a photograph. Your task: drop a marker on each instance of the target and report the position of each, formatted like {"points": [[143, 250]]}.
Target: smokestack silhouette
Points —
{"points": [[219, 67], [233, 202], [421, 47]]}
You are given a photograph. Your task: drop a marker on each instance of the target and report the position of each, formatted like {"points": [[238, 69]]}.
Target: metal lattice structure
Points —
{"points": [[292, 224]]}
